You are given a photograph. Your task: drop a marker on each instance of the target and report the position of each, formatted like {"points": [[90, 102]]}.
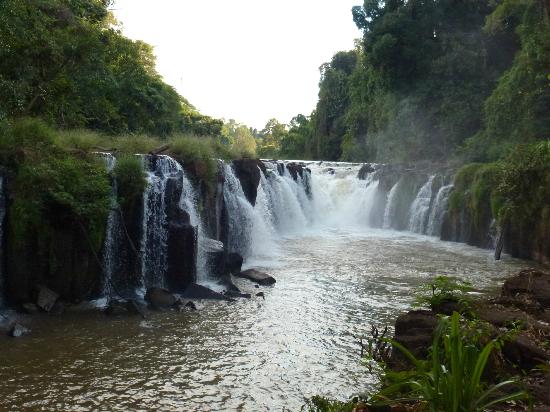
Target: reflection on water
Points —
{"points": [[248, 355]]}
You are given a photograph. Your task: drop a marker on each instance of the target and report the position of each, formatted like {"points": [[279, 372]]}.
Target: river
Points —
{"points": [[249, 355]]}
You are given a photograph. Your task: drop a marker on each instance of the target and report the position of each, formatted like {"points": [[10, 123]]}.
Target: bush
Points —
{"points": [[444, 289], [130, 179], [190, 149]]}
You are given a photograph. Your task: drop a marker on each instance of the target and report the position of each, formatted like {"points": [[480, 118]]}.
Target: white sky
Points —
{"points": [[250, 60]]}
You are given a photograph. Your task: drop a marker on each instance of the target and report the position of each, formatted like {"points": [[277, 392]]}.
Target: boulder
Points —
{"points": [[248, 172], [256, 276], [29, 308], [532, 282], [233, 263], [525, 353], [365, 170], [17, 330], [261, 295], [160, 298], [46, 298], [233, 294], [414, 330], [195, 291]]}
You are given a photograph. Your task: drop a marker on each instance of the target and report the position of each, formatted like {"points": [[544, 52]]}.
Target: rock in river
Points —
{"points": [[160, 298], [257, 276]]}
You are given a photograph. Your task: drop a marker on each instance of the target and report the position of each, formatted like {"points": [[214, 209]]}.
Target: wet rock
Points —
{"points": [[248, 172], [182, 251], [160, 298], [258, 277], [365, 170], [531, 282], [233, 263], [116, 308], [525, 353], [261, 294], [233, 294], [17, 330], [46, 298], [227, 282], [295, 170], [191, 305], [501, 316], [29, 308], [135, 308], [58, 308], [195, 291], [414, 330], [215, 256]]}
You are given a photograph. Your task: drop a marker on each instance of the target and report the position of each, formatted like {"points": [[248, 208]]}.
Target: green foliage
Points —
{"points": [[239, 138], [67, 62], [321, 404], [444, 289], [50, 184], [452, 378], [130, 179], [198, 151]]}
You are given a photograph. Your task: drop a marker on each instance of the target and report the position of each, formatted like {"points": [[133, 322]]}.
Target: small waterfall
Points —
{"points": [[113, 230], [2, 217], [420, 208], [390, 206], [159, 169], [438, 211], [250, 231]]}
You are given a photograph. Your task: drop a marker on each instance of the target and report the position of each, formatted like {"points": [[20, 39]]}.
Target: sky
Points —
{"points": [[248, 60]]}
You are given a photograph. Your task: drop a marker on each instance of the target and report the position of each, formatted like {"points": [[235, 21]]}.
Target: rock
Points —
{"points": [[233, 263], [531, 282], [195, 291], [46, 298], [59, 308], [414, 330], [257, 276], [233, 294], [365, 170], [501, 316], [17, 330], [295, 170], [135, 308], [182, 252], [260, 294], [248, 172], [523, 352], [160, 298], [29, 308], [215, 256], [191, 305], [116, 308], [227, 282]]}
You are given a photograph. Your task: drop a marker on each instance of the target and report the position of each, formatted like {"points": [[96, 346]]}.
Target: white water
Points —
{"points": [[389, 211], [439, 208], [420, 208]]}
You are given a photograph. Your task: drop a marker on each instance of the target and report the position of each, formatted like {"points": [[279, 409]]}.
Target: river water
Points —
{"points": [[249, 355]]}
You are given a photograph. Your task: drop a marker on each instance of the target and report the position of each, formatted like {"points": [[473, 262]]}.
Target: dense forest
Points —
{"points": [[450, 79]]}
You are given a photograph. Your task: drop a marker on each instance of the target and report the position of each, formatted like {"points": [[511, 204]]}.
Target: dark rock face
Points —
{"points": [[258, 277], [233, 263], [365, 170], [523, 352], [195, 291], [534, 283], [160, 298], [295, 170], [414, 330], [182, 252], [248, 172], [46, 298]]}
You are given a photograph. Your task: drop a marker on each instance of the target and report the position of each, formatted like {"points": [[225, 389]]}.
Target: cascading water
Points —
{"points": [[250, 230], [2, 216], [438, 211], [389, 211], [159, 170], [113, 230], [421, 207]]}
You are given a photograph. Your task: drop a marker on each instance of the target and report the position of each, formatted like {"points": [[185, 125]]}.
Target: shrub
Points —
{"points": [[130, 179], [444, 289]]}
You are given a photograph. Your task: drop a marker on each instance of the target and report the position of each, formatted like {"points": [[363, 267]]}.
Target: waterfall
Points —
{"points": [[391, 206], [250, 229], [420, 208], [2, 216], [159, 170], [439, 208], [113, 230]]}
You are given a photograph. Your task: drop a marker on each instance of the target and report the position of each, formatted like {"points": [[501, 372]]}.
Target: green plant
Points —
{"points": [[322, 404], [130, 178], [444, 289], [451, 380]]}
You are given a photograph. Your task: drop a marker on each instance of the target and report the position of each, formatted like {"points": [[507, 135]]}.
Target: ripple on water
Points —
{"points": [[247, 355]]}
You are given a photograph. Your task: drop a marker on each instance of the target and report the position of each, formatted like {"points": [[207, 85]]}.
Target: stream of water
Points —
{"points": [[249, 355]]}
